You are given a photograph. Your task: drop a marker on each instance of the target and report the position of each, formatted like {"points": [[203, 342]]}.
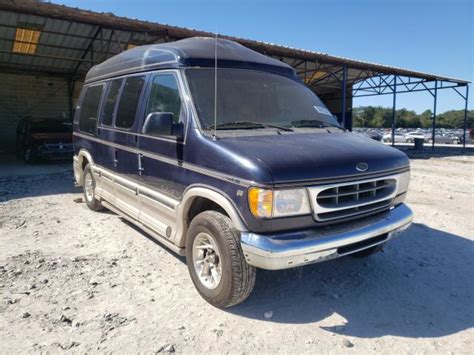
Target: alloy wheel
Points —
{"points": [[207, 260]]}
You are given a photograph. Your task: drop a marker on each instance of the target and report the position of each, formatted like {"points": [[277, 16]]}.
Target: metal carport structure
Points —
{"points": [[38, 38]]}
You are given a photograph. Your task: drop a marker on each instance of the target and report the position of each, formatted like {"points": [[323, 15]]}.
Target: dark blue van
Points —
{"points": [[223, 155]]}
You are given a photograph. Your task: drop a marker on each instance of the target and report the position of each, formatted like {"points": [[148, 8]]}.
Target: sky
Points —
{"points": [[433, 36]]}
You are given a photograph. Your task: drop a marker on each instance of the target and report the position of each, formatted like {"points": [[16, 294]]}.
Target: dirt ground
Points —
{"points": [[82, 281]]}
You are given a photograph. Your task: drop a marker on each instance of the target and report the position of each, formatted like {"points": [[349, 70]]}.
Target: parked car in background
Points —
{"points": [[445, 139], [44, 138], [410, 136], [399, 138], [372, 135]]}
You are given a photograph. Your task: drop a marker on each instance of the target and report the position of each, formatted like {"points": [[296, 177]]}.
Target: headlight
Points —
{"points": [[278, 203], [403, 182]]}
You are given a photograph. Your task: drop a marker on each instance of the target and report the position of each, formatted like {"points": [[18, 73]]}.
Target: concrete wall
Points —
{"points": [[29, 96]]}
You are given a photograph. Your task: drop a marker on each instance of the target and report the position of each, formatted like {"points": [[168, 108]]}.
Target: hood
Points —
{"points": [[294, 157]]}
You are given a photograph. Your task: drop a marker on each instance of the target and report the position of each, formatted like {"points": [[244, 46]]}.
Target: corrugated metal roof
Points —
{"points": [[67, 34]]}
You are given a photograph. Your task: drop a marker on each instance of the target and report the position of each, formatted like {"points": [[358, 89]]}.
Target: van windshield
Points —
{"points": [[249, 99]]}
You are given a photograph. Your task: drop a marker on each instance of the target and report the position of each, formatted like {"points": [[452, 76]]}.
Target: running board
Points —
{"points": [[159, 238]]}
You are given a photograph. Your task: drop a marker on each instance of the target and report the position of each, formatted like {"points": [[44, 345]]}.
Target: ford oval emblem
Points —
{"points": [[362, 166]]}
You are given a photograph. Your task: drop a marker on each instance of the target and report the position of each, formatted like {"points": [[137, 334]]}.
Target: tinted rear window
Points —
{"points": [[90, 108], [110, 100], [129, 101]]}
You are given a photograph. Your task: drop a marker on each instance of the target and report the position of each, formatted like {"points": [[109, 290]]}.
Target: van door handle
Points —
{"points": [[140, 164], [115, 159]]}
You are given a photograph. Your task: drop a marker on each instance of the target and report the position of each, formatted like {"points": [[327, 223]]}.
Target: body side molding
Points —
{"points": [[169, 206]]}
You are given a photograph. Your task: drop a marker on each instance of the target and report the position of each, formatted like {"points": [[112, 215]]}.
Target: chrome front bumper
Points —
{"points": [[291, 249]]}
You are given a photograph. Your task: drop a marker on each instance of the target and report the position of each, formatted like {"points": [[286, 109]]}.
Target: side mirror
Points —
{"points": [[159, 124]]}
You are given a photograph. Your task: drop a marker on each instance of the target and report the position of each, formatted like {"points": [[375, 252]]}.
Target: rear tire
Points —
{"points": [[220, 273], [88, 185], [368, 252]]}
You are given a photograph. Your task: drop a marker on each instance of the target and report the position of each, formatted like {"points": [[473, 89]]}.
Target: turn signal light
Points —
{"points": [[260, 202]]}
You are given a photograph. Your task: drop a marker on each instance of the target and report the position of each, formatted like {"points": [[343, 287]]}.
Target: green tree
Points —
{"points": [[381, 117]]}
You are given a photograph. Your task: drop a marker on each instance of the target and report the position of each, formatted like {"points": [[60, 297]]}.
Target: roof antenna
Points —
{"points": [[215, 87]]}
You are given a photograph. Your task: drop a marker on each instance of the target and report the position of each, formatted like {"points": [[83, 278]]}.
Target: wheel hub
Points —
{"points": [[206, 260]]}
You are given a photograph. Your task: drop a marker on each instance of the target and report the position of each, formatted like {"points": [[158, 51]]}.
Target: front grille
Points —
{"points": [[341, 201]]}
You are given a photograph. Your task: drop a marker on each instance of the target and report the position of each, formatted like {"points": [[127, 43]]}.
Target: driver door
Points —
{"points": [[160, 173]]}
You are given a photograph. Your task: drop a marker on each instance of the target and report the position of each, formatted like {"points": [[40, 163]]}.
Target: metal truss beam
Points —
{"points": [[394, 84], [19, 69], [77, 49], [46, 56], [88, 49], [384, 84]]}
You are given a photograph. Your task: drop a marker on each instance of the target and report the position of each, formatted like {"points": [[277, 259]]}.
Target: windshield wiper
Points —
{"points": [[247, 125], [314, 123], [283, 128], [237, 125]]}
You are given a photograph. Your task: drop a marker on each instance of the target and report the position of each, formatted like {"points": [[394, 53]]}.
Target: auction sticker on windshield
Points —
{"points": [[322, 110]]}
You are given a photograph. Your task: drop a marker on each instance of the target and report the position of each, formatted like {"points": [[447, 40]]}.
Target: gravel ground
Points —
{"points": [[82, 281]]}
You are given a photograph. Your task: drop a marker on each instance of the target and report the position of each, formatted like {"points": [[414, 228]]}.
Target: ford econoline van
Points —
{"points": [[223, 155]]}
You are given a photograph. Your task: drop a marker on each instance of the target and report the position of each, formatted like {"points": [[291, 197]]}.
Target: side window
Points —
{"points": [[164, 96], [129, 101], [110, 100], [90, 108]]}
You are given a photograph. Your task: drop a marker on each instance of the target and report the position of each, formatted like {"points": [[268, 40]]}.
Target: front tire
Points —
{"points": [[89, 189], [216, 262]]}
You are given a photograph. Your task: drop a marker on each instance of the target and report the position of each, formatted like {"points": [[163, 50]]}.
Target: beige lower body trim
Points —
{"points": [[150, 232], [158, 213]]}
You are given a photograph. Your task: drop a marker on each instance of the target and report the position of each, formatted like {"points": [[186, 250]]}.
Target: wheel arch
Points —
{"points": [[199, 195], [80, 161]]}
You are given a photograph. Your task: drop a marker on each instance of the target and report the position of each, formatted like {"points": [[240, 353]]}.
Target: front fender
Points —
{"points": [[186, 203]]}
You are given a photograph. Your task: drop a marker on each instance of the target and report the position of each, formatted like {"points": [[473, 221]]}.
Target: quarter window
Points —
{"points": [[164, 96], [110, 100], [90, 108], [128, 104]]}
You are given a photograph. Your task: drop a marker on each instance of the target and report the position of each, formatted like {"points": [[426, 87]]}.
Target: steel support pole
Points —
{"points": [[394, 109], [71, 85], [344, 94], [434, 115], [465, 117]]}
